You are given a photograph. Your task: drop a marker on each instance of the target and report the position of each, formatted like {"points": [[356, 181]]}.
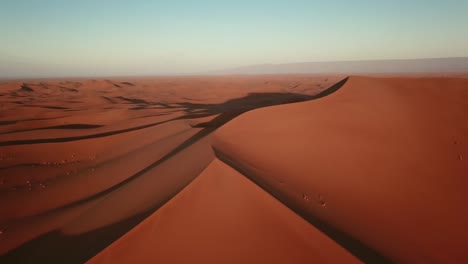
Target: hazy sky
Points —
{"points": [[141, 37]]}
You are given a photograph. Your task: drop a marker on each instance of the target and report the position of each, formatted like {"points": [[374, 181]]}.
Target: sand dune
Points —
{"points": [[188, 169], [83, 161], [223, 218], [380, 160]]}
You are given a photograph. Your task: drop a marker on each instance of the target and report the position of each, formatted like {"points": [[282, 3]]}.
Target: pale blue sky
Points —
{"points": [[143, 37]]}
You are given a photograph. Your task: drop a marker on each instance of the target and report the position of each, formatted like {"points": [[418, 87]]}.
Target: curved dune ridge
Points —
{"points": [[187, 169], [381, 160]]}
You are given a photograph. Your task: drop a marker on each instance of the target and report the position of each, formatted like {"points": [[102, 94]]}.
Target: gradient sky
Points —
{"points": [[144, 37]]}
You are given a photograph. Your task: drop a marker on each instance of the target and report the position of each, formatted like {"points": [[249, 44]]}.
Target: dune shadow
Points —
{"points": [[109, 100], [4, 123], [128, 83], [56, 247], [26, 88], [68, 126]]}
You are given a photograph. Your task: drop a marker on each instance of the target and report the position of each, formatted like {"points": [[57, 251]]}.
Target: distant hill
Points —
{"points": [[355, 67]]}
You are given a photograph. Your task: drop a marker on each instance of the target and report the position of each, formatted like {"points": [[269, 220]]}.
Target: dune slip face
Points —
{"points": [[82, 162]]}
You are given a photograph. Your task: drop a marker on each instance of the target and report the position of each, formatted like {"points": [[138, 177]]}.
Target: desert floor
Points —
{"points": [[235, 169]]}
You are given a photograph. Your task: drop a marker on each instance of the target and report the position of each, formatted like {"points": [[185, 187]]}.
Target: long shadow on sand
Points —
{"points": [[238, 105], [55, 247]]}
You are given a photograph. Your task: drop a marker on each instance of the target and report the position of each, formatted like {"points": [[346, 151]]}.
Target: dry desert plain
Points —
{"points": [[235, 169]]}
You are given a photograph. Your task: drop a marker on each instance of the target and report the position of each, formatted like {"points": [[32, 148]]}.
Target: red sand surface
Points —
{"points": [[123, 171], [223, 218], [382, 160]]}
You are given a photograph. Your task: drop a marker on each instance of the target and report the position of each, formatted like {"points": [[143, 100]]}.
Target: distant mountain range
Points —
{"points": [[439, 65]]}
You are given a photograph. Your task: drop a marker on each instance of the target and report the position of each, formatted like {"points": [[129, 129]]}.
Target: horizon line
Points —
{"points": [[225, 70]]}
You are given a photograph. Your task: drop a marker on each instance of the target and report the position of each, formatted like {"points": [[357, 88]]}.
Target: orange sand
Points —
{"points": [[123, 171], [382, 160]]}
